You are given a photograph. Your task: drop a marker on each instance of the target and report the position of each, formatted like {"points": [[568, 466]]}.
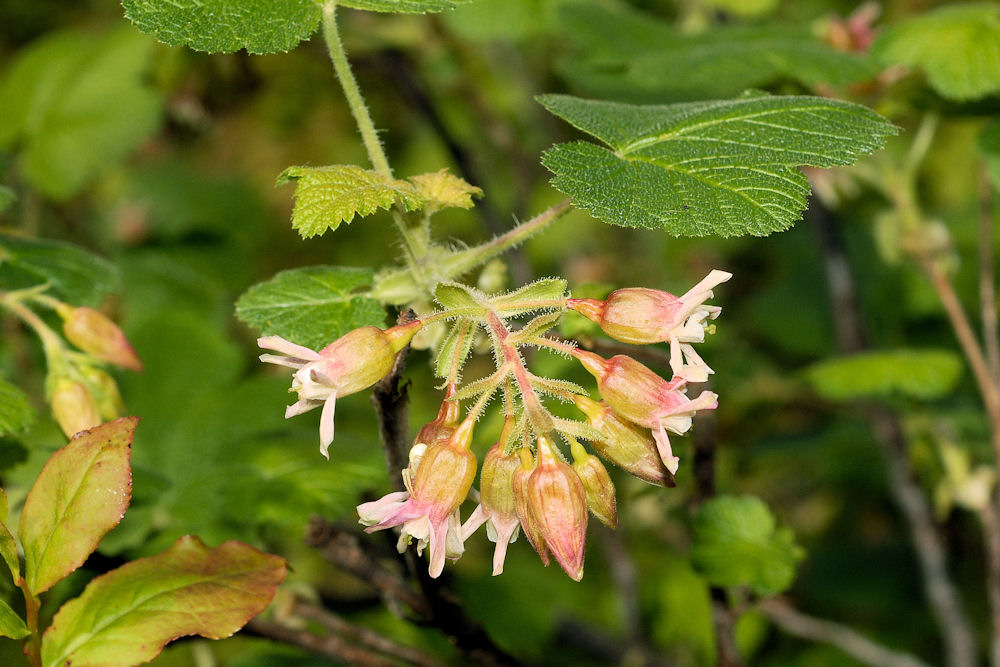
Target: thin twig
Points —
{"points": [[987, 277], [331, 646], [390, 400], [847, 640], [906, 491]]}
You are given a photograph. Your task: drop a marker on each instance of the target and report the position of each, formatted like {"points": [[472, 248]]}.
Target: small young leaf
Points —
{"points": [[125, 617], [958, 46], [328, 196], [723, 167], [223, 26], [533, 296], [76, 104], [16, 413], [458, 342], [11, 625], [441, 190], [74, 274], [459, 298], [923, 374], [311, 306], [404, 6], [80, 494], [736, 543]]}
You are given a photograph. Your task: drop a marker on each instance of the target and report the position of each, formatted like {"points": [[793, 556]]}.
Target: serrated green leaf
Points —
{"points": [[737, 543], [458, 342], [533, 296], [11, 625], [461, 299], [126, 616], [723, 167], [404, 6], [629, 55], [16, 413], [81, 494], [958, 46], [7, 197], [75, 104], [328, 196], [923, 374], [74, 274], [223, 26], [311, 306]]}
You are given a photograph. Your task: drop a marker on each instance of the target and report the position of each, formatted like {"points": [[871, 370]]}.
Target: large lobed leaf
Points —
{"points": [[16, 413], [924, 374], [126, 616], [311, 306], [72, 273], [80, 494], [958, 46], [725, 167], [630, 55], [737, 543], [74, 104]]}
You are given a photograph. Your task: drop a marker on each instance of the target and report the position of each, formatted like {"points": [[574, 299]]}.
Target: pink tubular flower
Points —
{"points": [[644, 398], [625, 444], [437, 483], [640, 316], [353, 362], [530, 526], [498, 507], [557, 501]]}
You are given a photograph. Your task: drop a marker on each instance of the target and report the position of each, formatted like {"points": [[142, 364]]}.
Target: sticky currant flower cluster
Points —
{"points": [[526, 484]]}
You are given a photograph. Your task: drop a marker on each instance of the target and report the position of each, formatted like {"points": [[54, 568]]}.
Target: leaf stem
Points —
{"points": [[33, 645]]}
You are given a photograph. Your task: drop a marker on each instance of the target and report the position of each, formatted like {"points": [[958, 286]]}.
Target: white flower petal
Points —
{"points": [[279, 344], [326, 425]]}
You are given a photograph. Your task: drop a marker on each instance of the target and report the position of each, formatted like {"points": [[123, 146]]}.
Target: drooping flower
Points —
{"points": [[438, 480], [497, 507], [557, 501], [353, 362], [641, 316], [597, 483], [644, 398], [97, 335], [532, 530], [627, 445]]}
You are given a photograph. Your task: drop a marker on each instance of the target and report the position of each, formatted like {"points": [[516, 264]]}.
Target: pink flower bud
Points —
{"points": [[429, 512], [558, 502], [353, 362], [644, 398], [627, 445], [498, 506], [597, 483], [73, 407], [98, 336], [532, 530]]}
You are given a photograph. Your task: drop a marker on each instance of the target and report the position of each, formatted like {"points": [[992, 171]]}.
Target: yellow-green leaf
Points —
{"points": [[11, 625], [126, 616], [80, 494], [442, 190], [924, 374]]}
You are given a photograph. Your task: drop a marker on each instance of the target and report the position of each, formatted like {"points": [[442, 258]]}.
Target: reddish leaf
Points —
{"points": [[81, 494], [126, 616]]}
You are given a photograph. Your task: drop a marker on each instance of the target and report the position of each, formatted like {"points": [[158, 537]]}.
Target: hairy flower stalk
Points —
{"points": [[352, 363], [438, 480], [644, 398]]}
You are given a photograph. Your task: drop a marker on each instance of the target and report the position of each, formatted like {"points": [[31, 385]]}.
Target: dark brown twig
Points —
{"points": [[331, 646]]}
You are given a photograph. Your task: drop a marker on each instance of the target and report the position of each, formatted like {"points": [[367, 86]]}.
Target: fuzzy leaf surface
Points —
{"points": [[327, 196], [957, 46], [456, 346], [311, 306], [16, 413], [126, 616], [74, 104], [533, 296], [11, 625], [81, 493], [74, 274], [459, 298], [924, 374], [442, 190], [725, 168], [224, 26], [737, 543], [629, 55]]}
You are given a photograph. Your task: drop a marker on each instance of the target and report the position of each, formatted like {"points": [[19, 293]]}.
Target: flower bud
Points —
{"points": [[529, 524], [597, 483], [627, 445], [74, 407], [558, 502], [98, 336], [498, 506], [443, 425], [105, 392]]}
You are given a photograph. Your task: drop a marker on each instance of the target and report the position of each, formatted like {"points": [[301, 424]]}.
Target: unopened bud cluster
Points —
{"points": [[526, 483]]}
